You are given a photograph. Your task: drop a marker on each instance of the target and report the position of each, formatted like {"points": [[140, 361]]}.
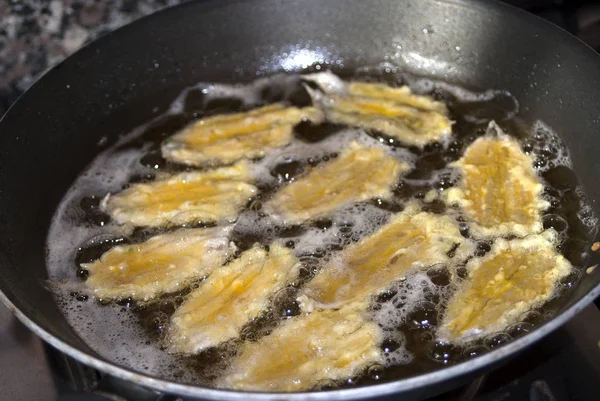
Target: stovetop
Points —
{"points": [[565, 366]]}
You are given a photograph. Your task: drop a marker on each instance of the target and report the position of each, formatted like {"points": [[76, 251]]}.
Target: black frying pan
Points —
{"points": [[52, 132]]}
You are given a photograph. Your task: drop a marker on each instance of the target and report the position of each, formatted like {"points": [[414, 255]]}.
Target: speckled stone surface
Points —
{"points": [[37, 34]]}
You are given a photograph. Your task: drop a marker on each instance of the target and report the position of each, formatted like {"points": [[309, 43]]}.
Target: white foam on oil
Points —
{"points": [[547, 136], [347, 225], [118, 337], [67, 232], [327, 81], [586, 213], [249, 94], [561, 157], [410, 293]]}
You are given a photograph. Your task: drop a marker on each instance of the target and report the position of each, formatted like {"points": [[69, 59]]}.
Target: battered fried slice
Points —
{"points": [[224, 139], [305, 351], [499, 191], [402, 95], [514, 277], [164, 263], [210, 196], [411, 239], [231, 297], [358, 174], [412, 119]]}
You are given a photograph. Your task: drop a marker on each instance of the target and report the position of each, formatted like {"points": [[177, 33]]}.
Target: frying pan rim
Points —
{"points": [[370, 391]]}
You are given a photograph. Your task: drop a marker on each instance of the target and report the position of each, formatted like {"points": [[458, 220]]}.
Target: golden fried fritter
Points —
{"points": [[412, 239], [402, 95], [358, 174], [210, 196], [412, 119], [231, 297], [164, 263], [499, 191], [305, 351], [224, 139], [512, 278]]}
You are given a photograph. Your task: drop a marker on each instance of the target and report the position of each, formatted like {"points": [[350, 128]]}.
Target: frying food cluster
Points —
{"points": [[335, 336]]}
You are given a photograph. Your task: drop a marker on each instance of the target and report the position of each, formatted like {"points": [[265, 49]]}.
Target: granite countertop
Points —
{"points": [[37, 34]]}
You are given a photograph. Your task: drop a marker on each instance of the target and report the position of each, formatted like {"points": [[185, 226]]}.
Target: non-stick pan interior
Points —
{"points": [[130, 76]]}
